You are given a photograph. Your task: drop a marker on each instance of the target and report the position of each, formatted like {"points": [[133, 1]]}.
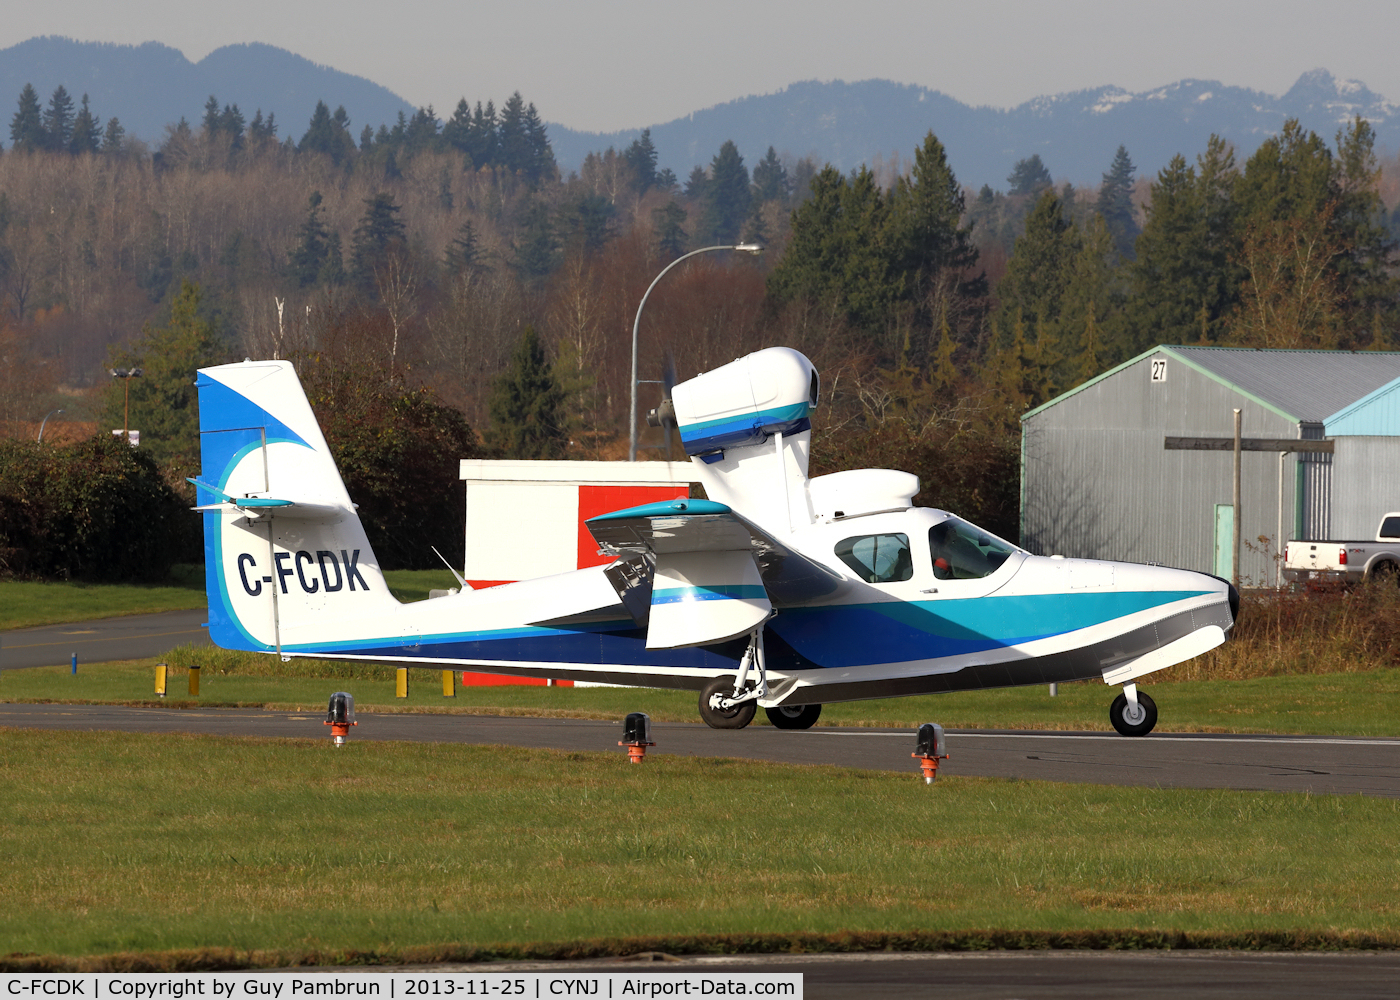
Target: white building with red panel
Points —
{"points": [[554, 499]]}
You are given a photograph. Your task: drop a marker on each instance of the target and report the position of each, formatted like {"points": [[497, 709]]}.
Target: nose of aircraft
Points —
{"points": [[1232, 593]]}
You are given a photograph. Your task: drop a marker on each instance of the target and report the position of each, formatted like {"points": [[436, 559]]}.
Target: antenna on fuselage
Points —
{"points": [[455, 574]]}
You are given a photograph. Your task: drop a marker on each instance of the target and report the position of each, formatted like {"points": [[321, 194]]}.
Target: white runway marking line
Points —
{"points": [[1315, 741]]}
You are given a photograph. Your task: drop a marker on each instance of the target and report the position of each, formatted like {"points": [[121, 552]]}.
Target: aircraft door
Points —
{"points": [[1225, 541]]}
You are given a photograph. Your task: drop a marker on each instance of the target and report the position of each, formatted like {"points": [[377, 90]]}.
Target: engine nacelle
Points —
{"points": [[746, 402]]}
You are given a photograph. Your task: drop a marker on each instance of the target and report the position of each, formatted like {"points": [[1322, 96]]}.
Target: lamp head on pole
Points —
{"points": [[753, 248]]}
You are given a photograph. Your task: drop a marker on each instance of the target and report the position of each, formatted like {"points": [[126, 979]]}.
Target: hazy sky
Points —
{"points": [[612, 64]]}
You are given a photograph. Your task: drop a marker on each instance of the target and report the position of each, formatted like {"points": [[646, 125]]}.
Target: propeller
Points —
{"points": [[664, 416]]}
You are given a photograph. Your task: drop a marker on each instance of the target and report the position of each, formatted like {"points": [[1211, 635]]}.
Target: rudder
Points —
{"points": [[285, 553]]}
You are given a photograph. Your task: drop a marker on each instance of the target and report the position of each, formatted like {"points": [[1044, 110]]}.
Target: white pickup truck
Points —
{"points": [[1309, 560]]}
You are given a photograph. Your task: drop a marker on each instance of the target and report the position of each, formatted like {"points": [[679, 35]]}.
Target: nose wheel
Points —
{"points": [[1133, 716]]}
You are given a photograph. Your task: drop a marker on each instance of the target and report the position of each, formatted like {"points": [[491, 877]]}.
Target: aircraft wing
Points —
{"points": [[713, 574]]}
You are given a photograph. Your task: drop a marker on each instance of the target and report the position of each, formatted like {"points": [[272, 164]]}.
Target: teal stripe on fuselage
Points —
{"points": [[900, 631]]}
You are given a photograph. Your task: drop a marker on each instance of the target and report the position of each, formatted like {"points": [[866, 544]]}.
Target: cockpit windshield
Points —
{"points": [[963, 551]]}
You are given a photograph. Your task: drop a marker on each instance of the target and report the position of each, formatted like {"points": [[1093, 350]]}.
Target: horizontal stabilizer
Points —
{"points": [[260, 507]]}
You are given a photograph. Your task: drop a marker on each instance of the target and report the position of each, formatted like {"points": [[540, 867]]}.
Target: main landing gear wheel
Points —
{"points": [[1130, 723], [794, 716], [730, 718]]}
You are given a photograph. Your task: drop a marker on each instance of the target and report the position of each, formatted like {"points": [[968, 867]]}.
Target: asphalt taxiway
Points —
{"points": [[1042, 975], [1318, 764], [131, 637]]}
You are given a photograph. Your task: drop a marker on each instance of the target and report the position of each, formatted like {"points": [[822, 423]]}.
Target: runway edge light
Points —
{"points": [[340, 716], [636, 736], [929, 748]]}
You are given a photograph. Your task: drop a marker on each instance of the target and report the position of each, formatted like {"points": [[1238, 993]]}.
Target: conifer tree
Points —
{"points": [[27, 125], [537, 250], [231, 124], [927, 239], [210, 123], [668, 224], [327, 134], [163, 402], [58, 119], [696, 183], [1185, 280], [1029, 177], [421, 135], [641, 156], [483, 141], [457, 130], [113, 137], [527, 405], [308, 257], [1040, 269], [727, 196], [540, 157], [513, 142], [333, 269], [379, 232], [463, 254], [838, 252], [1115, 204], [770, 179], [85, 137]]}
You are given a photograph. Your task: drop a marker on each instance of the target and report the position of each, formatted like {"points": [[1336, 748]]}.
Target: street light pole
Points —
{"points": [[752, 248], [126, 375], [45, 421]]}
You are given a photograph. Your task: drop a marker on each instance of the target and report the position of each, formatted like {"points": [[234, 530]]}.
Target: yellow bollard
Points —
{"points": [[194, 682], [449, 684], [160, 679], [401, 683]]}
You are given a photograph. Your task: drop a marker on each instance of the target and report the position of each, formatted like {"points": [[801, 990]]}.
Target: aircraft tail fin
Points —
{"points": [[285, 553]]}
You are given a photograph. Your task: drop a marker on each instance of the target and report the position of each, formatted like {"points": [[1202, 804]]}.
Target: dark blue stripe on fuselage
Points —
{"points": [[803, 638]]}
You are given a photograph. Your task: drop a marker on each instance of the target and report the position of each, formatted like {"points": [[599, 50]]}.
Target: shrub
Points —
{"points": [[97, 510]]}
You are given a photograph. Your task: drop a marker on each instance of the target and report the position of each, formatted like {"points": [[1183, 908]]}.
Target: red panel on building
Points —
{"points": [[595, 500]]}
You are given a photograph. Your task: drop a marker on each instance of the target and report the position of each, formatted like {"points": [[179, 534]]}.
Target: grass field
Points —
{"points": [[1352, 704], [124, 842], [26, 603]]}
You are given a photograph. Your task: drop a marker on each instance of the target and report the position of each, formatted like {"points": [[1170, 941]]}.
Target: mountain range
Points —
{"points": [[150, 86], [1075, 134]]}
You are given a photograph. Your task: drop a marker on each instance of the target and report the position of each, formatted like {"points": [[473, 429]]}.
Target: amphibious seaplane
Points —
{"points": [[779, 591]]}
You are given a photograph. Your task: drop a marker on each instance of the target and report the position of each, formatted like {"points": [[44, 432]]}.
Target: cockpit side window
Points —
{"points": [[963, 552], [877, 558]]}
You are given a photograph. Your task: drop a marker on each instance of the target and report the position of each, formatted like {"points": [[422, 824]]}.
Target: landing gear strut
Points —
{"points": [[730, 702], [1132, 712], [718, 709]]}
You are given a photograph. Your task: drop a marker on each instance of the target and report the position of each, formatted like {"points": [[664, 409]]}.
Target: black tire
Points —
{"points": [[794, 716], [735, 718], [1385, 573], [1118, 715]]}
